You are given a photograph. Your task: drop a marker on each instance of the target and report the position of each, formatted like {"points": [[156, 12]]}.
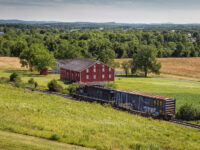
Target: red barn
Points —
{"points": [[86, 70]]}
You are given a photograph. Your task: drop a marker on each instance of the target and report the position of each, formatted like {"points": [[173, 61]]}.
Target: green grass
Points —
{"points": [[183, 91], [26, 75], [88, 124], [13, 141]]}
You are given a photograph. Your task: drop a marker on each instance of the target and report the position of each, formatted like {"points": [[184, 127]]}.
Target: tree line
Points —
{"points": [[103, 45]]}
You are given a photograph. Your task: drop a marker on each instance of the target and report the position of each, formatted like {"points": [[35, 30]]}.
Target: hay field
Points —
{"points": [[11, 63], [182, 68]]}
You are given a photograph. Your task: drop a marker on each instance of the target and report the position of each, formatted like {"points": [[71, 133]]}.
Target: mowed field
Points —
{"points": [[11, 63], [180, 68], [88, 124]]}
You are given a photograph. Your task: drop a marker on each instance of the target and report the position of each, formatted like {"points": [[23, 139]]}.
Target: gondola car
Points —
{"points": [[148, 104]]}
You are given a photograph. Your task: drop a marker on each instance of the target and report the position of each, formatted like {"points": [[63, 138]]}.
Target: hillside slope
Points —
{"points": [[88, 124], [14, 141]]}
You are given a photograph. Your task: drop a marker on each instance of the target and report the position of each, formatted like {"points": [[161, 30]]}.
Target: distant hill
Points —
{"points": [[102, 25], [26, 22]]}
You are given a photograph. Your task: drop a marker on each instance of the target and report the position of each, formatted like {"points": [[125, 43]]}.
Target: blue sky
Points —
{"points": [[126, 11]]}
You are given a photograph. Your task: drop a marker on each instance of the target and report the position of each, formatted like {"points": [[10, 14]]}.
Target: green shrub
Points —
{"points": [[36, 84], [110, 85], [31, 81], [188, 112], [54, 137], [15, 77], [4, 80], [72, 87], [54, 86], [19, 84]]}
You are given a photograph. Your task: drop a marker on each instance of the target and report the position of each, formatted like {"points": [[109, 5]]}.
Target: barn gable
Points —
{"points": [[86, 70]]}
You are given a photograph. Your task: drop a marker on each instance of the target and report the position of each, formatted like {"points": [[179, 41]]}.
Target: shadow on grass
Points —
{"points": [[131, 76], [24, 73]]}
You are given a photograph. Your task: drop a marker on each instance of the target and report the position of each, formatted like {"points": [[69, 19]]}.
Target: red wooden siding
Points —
{"points": [[69, 75], [93, 76]]}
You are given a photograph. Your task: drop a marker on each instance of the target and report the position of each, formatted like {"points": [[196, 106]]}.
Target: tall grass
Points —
{"points": [[88, 124]]}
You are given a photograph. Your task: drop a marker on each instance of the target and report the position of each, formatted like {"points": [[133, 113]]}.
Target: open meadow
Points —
{"points": [[93, 125], [177, 68], [14, 141], [88, 124]]}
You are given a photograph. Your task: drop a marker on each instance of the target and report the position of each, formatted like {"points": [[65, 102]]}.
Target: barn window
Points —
{"points": [[103, 68], [87, 77], [87, 70], [103, 76], [94, 68], [94, 76], [109, 69], [109, 76]]}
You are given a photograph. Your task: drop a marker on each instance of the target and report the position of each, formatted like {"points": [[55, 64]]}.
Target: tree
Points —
{"points": [[126, 66], [37, 56], [107, 56], [43, 59], [145, 60]]}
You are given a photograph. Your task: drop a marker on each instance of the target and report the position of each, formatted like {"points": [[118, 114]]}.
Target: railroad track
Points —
{"points": [[185, 123], [182, 123]]}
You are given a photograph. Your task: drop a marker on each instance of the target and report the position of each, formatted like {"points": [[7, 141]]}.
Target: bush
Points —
{"points": [[188, 112], [31, 81], [110, 85], [19, 84], [54, 137], [54, 86], [36, 84], [4, 80], [15, 77], [72, 87]]}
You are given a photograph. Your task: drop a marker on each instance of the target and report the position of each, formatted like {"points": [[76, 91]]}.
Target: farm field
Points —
{"points": [[88, 124], [184, 91], [26, 75], [10, 63], [16, 141], [178, 68]]}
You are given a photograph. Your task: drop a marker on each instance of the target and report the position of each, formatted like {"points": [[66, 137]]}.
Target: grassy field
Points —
{"points": [[183, 91], [88, 124], [14, 141], [10, 63], [26, 75], [180, 68]]}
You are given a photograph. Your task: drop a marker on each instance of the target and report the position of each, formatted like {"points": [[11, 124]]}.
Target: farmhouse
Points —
{"points": [[86, 70]]}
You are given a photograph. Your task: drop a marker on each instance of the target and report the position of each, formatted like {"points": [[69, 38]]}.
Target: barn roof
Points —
{"points": [[78, 64], [63, 61]]}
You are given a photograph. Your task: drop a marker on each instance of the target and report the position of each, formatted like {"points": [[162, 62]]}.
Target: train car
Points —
{"points": [[152, 105], [146, 103], [97, 92]]}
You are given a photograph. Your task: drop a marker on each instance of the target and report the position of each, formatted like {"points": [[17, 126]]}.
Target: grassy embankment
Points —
{"points": [[88, 124], [14, 141], [177, 68]]}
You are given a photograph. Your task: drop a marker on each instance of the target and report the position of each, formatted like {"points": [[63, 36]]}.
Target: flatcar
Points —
{"points": [[152, 105]]}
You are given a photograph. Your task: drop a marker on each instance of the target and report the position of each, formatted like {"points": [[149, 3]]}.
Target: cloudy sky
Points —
{"points": [[122, 11]]}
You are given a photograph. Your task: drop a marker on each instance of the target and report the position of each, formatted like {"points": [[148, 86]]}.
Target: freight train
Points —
{"points": [[142, 103]]}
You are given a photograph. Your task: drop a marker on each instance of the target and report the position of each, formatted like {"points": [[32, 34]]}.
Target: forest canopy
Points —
{"points": [[104, 45]]}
